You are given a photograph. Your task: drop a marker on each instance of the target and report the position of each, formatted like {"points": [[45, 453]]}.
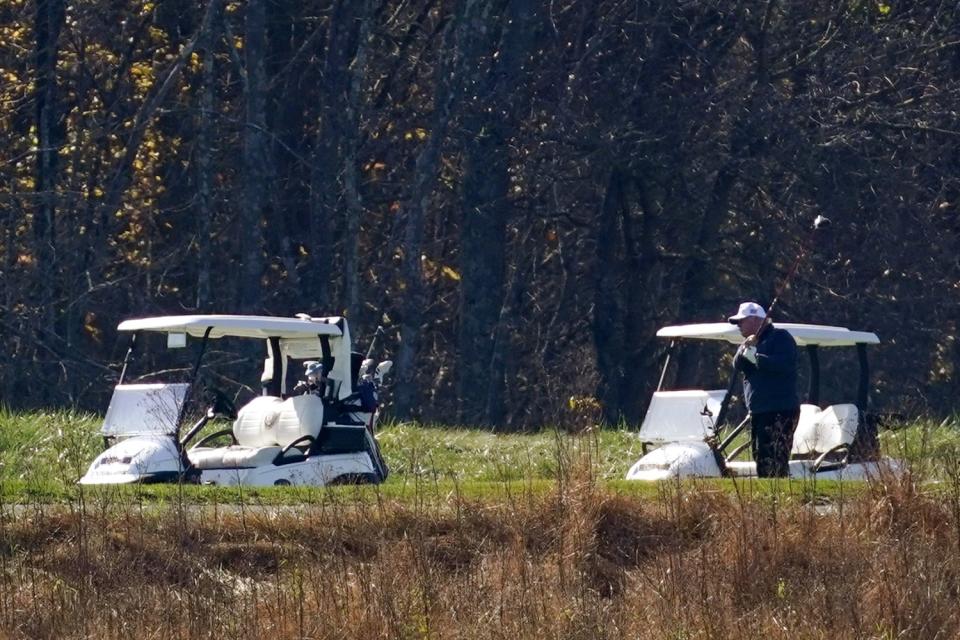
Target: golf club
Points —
{"points": [[819, 223], [368, 358]]}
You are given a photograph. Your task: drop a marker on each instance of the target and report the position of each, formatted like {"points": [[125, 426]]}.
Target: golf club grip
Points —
{"points": [[373, 342]]}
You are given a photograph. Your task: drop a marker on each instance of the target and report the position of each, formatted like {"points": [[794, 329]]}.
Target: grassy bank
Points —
{"points": [[576, 560]]}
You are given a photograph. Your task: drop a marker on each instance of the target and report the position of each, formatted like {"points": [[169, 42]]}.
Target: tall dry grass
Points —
{"points": [[578, 562]]}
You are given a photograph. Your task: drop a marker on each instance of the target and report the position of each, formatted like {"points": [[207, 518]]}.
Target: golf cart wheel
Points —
{"points": [[353, 479], [282, 482]]}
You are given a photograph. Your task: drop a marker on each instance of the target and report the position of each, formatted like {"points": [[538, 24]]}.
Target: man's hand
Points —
{"points": [[745, 353], [751, 341]]}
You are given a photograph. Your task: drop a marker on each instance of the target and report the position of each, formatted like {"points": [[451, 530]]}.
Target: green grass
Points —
{"points": [[43, 453], [481, 455]]}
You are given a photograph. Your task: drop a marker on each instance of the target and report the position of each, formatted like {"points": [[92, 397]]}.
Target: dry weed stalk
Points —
{"points": [[579, 562]]}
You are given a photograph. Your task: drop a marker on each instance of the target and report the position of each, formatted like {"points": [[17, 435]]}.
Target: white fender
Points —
{"points": [[137, 459], [676, 459]]}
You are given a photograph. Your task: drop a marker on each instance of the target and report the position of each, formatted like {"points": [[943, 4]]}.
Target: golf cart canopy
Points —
{"points": [[808, 336], [803, 334], [239, 326], [324, 338]]}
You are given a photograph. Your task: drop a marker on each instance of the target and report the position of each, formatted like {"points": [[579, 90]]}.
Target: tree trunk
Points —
{"points": [[488, 128], [351, 132], [205, 207], [699, 270], [48, 24], [328, 159], [607, 306], [425, 176], [483, 202], [255, 161], [324, 187], [288, 106], [482, 252], [640, 303]]}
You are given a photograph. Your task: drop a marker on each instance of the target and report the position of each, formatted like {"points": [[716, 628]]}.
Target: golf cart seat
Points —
{"points": [[824, 433], [265, 429]]}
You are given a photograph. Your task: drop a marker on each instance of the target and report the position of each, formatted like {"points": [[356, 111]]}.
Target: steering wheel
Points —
{"points": [[218, 404], [221, 404], [729, 438]]}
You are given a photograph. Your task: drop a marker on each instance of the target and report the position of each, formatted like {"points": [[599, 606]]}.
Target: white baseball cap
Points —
{"points": [[746, 310]]}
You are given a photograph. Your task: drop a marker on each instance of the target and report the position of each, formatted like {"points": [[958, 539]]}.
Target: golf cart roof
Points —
{"points": [[240, 326], [804, 334]]}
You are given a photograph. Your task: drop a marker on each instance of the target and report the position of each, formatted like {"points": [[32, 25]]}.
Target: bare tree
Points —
{"points": [[48, 24], [497, 75], [256, 159], [446, 94], [206, 144]]}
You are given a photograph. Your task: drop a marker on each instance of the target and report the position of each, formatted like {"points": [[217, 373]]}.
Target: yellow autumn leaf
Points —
{"points": [[90, 327]]}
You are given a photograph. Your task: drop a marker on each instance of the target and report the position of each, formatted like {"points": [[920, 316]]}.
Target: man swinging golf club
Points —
{"points": [[768, 360]]}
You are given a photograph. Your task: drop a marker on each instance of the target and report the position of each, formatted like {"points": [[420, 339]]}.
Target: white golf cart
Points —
{"points": [[310, 434], [684, 431]]}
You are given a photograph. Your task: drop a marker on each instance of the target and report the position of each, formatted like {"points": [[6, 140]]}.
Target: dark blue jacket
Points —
{"points": [[771, 384]]}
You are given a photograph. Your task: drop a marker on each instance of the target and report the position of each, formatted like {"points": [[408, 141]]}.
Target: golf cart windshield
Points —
{"points": [[681, 415], [144, 409]]}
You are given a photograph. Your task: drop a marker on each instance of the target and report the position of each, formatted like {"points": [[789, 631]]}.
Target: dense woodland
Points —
{"points": [[520, 191]]}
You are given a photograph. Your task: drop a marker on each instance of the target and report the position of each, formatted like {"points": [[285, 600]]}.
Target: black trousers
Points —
{"points": [[771, 438]]}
